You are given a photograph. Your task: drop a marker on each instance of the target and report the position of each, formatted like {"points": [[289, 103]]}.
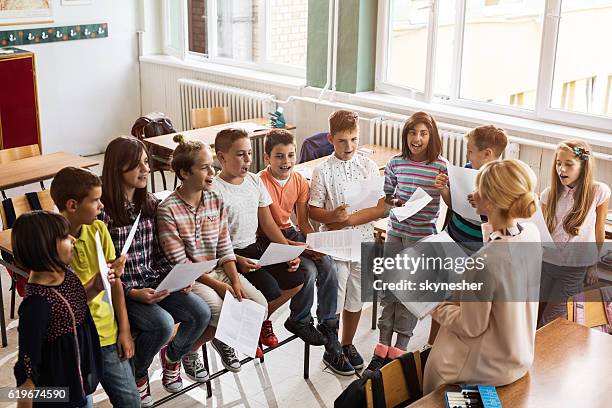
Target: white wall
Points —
{"points": [[89, 90]]}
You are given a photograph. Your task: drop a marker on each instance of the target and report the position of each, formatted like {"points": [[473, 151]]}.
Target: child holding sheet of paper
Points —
{"points": [[415, 168]]}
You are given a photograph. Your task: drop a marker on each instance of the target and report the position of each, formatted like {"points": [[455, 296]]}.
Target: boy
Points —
{"points": [[248, 206], [192, 225], [289, 190], [327, 206], [76, 193]]}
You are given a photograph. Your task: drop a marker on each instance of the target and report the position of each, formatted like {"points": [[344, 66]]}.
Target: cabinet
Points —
{"points": [[19, 121]]}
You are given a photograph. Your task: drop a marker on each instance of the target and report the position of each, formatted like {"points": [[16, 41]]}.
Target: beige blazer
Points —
{"points": [[490, 342]]}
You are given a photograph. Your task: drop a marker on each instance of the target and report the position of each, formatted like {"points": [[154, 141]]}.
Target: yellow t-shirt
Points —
{"points": [[85, 265]]}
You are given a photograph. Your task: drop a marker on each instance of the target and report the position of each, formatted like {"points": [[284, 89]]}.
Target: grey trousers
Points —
{"points": [[557, 284]]}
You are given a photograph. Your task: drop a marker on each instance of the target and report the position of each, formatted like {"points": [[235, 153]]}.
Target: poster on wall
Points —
{"points": [[14, 12]]}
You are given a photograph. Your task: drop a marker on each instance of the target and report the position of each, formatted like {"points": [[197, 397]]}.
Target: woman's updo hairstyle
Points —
{"points": [[183, 157]]}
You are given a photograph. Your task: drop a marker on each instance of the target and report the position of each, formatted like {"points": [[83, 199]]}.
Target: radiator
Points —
{"points": [[386, 132], [243, 104]]}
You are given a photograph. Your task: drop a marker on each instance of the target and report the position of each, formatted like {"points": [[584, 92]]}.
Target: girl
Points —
{"points": [[152, 315], [574, 208], [58, 341], [417, 166], [488, 337]]}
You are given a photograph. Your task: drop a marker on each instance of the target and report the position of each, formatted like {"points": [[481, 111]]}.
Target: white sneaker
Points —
{"points": [[194, 368]]}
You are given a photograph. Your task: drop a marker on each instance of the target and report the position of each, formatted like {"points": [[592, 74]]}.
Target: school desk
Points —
{"points": [[570, 369], [36, 168], [207, 135]]}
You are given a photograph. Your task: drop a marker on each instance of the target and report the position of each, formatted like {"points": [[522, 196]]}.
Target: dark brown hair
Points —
{"points": [[226, 138], [34, 239], [276, 137], [123, 154], [183, 156], [489, 137], [434, 146], [72, 183], [342, 121]]}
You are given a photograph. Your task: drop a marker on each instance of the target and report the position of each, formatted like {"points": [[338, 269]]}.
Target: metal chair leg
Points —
{"points": [[163, 176], [175, 181], [206, 366], [13, 290], [152, 181], [2, 320], [306, 361], [42, 184], [374, 309]]}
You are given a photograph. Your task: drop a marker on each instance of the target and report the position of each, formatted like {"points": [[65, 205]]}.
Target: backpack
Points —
{"points": [[152, 124]]}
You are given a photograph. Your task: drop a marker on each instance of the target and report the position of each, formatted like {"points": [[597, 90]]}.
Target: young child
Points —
{"points": [[492, 341], [152, 315], [417, 166], [58, 341], [192, 224], [328, 206], [574, 208], [248, 207], [76, 193], [289, 190]]}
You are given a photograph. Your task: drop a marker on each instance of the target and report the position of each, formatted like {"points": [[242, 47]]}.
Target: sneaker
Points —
{"points": [[267, 336], [338, 363], [145, 391], [194, 368], [331, 332], [228, 356], [353, 356], [306, 332], [171, 376], [259, 352], [376, 364]]}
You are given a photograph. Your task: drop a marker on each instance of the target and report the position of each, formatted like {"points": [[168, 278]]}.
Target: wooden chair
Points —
{"points": [[594, 312], [17, 153], [394, 382], [204, 117]]}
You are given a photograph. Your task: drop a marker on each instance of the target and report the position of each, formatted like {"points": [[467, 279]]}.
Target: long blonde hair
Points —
{"points": [[583, 191], [509, 184]]}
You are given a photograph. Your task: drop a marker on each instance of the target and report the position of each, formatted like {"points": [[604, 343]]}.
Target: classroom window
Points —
{"points": [[197, 24]]}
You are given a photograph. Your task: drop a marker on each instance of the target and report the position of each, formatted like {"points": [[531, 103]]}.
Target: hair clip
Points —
{"points": [[581, 153]]}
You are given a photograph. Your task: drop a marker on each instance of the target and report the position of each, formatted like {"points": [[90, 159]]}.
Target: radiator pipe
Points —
{"points": [[330, 46]]}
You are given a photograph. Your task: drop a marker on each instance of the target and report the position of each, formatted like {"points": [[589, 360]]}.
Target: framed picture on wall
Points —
{"points": [[15, 12], [75, 2]]}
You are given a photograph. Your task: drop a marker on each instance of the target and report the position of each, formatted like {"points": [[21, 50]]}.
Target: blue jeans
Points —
{"points": [[154, 325], [118, 380], [323, 273]]}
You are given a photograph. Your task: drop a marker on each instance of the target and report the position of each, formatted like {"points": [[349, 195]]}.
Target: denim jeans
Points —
{"points": [[323, 273], [154, 325], [118, 380]]}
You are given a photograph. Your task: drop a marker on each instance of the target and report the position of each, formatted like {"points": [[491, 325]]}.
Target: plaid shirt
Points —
{"points": [[146, 264], [188, 234]]}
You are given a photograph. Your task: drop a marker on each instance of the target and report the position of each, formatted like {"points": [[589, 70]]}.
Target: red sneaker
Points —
{"points": [[267, 336], [258, 352]]}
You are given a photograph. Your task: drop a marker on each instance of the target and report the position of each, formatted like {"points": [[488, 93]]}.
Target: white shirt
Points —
{"points": [[243, 202], [329, 182]]}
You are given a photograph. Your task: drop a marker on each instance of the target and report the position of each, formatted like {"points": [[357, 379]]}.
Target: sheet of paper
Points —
{"points": [[248, 127], [184, 274], [540, 223], [108, 296], [162, 195], [417, 201], [240, 324], [364, 193], [306, 171], [279, 253], [343, 244], [462, 182], [130, 238]]}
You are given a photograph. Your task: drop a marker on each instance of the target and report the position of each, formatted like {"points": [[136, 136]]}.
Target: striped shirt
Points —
{"points": [[188, 234], [402, 178]]}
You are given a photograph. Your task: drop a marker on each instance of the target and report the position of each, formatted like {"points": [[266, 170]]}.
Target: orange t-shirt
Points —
{"points": [[296, 190]]}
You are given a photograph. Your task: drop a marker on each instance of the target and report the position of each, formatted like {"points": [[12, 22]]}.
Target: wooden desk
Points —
{"points": [[25, 171], [570, 369], [207, 135]]}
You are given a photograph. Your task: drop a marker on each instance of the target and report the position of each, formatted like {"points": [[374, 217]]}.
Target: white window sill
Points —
{"points": [[227, 71]]}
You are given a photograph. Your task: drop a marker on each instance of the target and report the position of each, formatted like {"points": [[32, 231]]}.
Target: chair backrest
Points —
{"points": [[314, 147], [394, 382], [16, 153], [204, 117], [22, 205], [588, 308]]}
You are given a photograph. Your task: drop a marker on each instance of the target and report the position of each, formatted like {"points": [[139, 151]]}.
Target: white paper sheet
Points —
{"points": [[108, 296], [248, 127], [343, 244], [540, 223], [417, 201], [279, 253], [364, 193], [184, 274], [462, 183], [240, 323], [162, 195], [306, 171], [130, 238]]}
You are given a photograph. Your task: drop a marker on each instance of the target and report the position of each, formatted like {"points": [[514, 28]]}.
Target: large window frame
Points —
{"points": [[544, 91], [262, 38]]}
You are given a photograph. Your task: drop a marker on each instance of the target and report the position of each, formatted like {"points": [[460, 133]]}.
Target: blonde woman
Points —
{"points": [[488, 338]]}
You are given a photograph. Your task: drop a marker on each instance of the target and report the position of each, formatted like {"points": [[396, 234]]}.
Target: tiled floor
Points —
{"points": [[278, 382]]}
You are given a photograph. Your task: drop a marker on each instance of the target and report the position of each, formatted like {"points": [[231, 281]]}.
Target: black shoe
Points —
{"points": [[338, 363], [306, 332], [353, 356], [376, 364], [228, 356], [331, 332]]}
